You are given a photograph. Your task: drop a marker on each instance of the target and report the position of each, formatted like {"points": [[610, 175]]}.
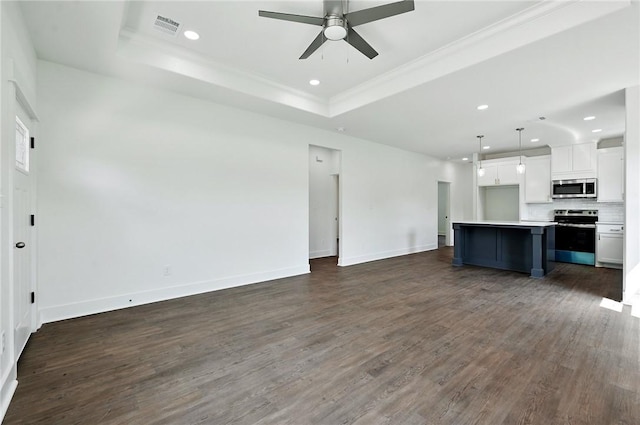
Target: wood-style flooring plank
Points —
{"points": [[409, 340]]}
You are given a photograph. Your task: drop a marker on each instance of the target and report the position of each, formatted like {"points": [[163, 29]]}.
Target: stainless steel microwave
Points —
{"points": [[579, 188]]}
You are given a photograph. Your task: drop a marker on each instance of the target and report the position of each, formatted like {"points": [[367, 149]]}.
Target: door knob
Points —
{"points": [[20, 245]]}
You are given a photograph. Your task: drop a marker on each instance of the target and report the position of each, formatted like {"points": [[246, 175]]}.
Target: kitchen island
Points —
{"points": [[523, 246]]}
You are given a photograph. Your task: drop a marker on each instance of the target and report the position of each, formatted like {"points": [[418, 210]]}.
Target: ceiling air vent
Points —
{"points": [[166, 25]]}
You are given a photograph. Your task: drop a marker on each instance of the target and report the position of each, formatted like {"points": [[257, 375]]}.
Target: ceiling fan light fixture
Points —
{"points": [[335, 28]]}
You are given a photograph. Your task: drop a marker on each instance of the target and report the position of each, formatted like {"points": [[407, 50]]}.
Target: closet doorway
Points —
{"points": [[324, 202]]}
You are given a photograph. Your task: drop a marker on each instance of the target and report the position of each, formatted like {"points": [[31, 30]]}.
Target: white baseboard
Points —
{"points": [[350, 261], [635, 306], [631, 285], [320, 254], [8, 390], [68, 311]]}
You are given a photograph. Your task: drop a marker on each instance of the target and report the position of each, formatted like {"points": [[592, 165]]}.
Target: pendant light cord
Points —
{"points": [[480, 150], [520, 168], [519, 130]]}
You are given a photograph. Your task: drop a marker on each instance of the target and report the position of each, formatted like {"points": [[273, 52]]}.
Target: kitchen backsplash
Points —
{"points": [[607, 211]]}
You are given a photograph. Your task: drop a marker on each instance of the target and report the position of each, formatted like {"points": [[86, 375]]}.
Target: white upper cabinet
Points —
{"points": [[574, 161], [537, 180], [499, 172], [611, 175], [507, 173], [561, 159], [585, 157], [490, 176]]}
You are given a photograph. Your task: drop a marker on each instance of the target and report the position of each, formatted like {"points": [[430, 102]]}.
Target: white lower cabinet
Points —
{"points": [[609, 245]]}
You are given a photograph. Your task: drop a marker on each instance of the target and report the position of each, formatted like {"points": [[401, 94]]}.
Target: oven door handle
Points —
{"points": [[578, 225]]}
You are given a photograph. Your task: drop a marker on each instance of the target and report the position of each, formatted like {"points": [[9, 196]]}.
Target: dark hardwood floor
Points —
{"points": [[409, 340]]}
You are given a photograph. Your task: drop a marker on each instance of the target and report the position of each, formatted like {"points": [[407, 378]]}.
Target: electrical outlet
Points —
{"points": [[166, 270]]}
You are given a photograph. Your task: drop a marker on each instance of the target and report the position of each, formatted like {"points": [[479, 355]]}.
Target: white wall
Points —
{"points": [[18, 63], [323, 192], [133, 179], [136, 180], [632, 194], [501, 203], [388, 201]]}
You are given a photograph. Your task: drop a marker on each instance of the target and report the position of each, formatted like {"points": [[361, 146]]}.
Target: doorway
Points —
{"points": [[444, 214], [324, 202], [24, 316]]}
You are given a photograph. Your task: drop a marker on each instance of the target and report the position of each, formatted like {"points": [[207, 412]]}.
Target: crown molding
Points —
{"points": [[149, 51], [537, 22], [532, 24]]}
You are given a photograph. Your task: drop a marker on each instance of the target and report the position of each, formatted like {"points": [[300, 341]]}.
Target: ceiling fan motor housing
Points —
{"points": [[335, 28]]}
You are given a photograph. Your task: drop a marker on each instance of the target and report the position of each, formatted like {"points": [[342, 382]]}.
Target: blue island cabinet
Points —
{"points": [[527, 247]]}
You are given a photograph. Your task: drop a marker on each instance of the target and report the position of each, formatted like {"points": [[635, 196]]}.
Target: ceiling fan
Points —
{"points": [[337, 23]]}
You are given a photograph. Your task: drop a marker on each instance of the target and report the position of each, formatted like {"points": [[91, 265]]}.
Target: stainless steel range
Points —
{"points": [[576, 236]]}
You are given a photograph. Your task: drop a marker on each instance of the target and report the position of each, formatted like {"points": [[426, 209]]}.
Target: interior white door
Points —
{"points": [[444, 212], [22, 284], [335, 226]]}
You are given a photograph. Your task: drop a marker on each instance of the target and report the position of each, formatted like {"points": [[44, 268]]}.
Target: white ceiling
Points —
{"points": [[561, 60]]}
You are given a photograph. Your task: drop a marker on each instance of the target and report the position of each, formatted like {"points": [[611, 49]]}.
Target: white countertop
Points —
{"points": [[615, 223], [509, 223]]}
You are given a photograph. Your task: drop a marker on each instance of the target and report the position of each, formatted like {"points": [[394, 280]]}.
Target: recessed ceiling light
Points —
{"points": [[589, 118], [597, 130], [482, 107], [535, 140], [341, 129], [465, 159], [191, 35], [486, 147], [314, 82]]}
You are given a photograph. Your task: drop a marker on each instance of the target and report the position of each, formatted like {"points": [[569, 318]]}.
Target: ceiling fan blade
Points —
{"points": [[315, 44], [364, 16], [358, 42], [293, 18]]}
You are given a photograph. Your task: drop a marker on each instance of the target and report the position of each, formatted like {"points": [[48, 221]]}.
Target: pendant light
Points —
{"points": [[520, 167], [480, 169]]}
